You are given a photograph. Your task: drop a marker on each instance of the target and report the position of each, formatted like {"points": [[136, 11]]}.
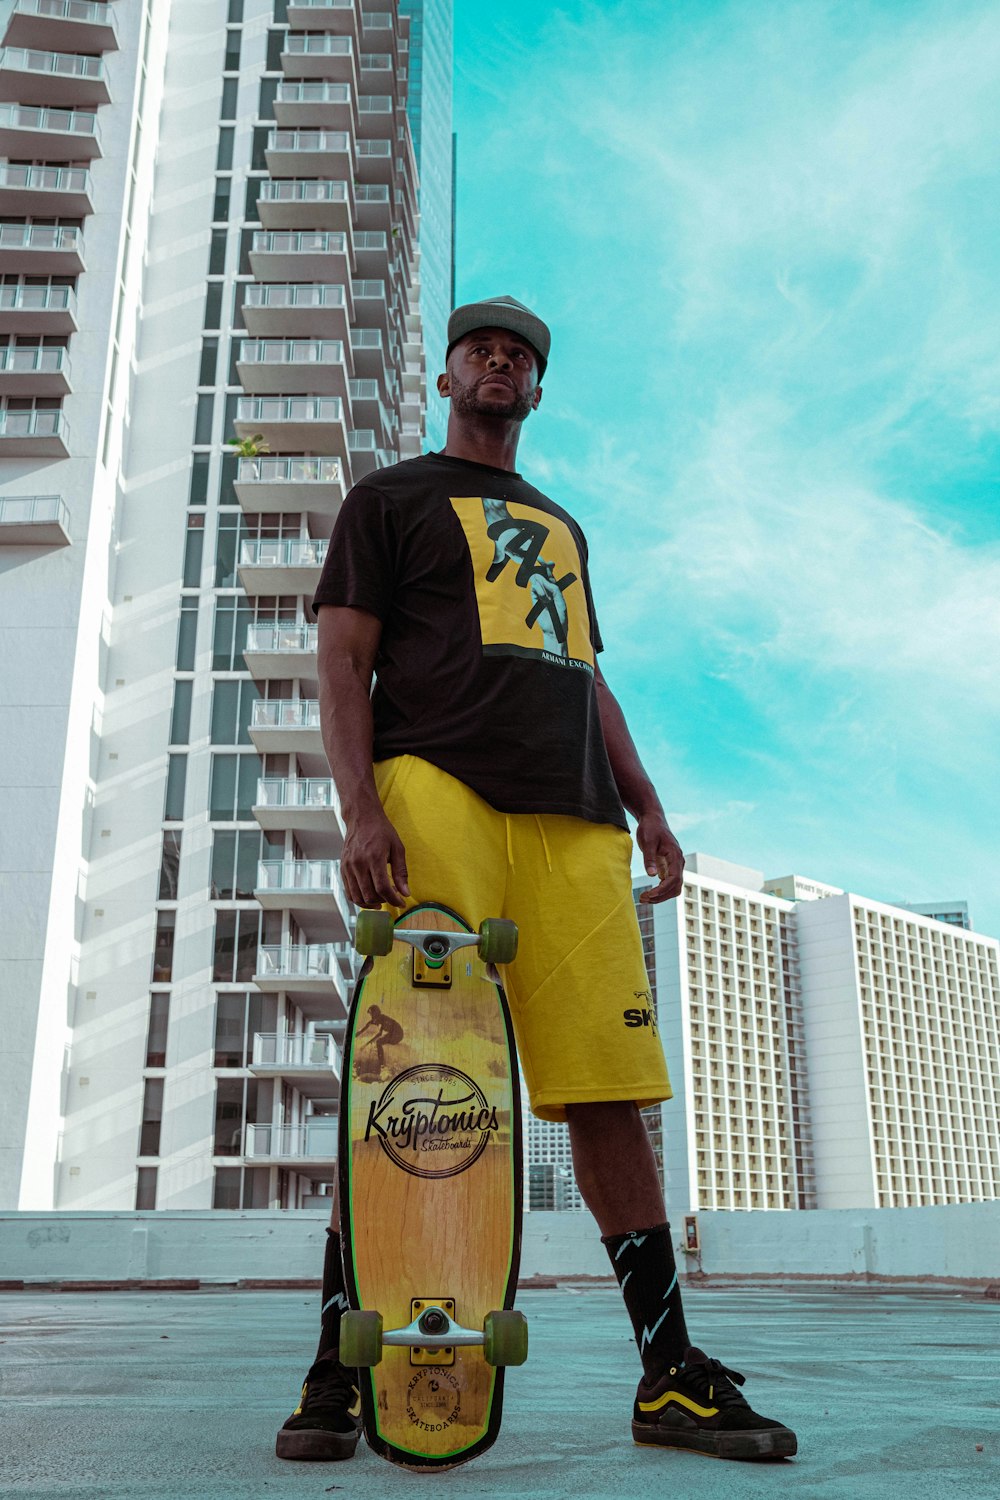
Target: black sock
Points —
{"points": [[643, 1262], [334, 1295]]}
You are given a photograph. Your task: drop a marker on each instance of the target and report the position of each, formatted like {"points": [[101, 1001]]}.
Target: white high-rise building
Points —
{"points": [[208, 233]]}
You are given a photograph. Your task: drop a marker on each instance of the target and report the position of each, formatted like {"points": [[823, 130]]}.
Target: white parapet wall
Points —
{"points": [[957, 1243]]}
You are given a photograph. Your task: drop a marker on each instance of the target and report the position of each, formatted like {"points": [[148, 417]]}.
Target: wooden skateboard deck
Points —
{"points": [[430, 1189]]}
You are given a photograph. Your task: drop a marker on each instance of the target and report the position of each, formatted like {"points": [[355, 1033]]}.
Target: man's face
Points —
{"points": [[492, 373]]}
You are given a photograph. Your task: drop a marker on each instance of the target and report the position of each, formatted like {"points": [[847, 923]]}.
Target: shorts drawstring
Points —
{"points": [[510, 844], [545, 842]]}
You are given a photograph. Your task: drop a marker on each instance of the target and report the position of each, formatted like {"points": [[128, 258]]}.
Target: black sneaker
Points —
{"points": [[696, 1405], [327, 1421]]}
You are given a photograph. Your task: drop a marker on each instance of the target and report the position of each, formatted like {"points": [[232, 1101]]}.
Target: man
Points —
{"points": [[465, 591]]}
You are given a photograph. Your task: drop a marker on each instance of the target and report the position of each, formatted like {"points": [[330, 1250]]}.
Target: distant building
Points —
{"points": [[955, 913]]}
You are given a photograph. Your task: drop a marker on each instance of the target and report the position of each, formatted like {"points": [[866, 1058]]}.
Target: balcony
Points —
{"points": [[310, 890], [373, 209], [294, 1145], [300, 255], [313, 485], [34, 521], [41, 250], [281, 650], [304, 804], [311, 1063], [286, 726], [29, 76], [33, 434], [294, 424], [366, 454], [306, 204], [377, 116], [33, 370], [330, 58], [316, 977], [37, 309], [310, 153], [378, 29], [48, 191], [369, 411], [50, 134], [63, 25], [376, 162], [328, 106], [324, 15], [299, 308], [372, 253], [371, 310], [286, 566], [289, 366]]}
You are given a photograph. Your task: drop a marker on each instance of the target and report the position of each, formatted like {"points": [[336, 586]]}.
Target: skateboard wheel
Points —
{"points": [[360, 1336], [374, 932], [498, 941], [505, 1336]]}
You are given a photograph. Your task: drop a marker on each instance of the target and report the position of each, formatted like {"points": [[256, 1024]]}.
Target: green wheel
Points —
{"points": [[360, 1339], [505, 1338], [374, 932], [498, 941]]}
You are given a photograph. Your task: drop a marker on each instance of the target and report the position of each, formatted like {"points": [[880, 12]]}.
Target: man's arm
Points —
{"points": [[660, 849], [373, 865]]}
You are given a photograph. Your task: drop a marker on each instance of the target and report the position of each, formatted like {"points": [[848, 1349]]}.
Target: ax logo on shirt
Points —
{"points": [[527, 572]]}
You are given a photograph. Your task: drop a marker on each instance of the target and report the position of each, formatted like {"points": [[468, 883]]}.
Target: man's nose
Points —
{"points": [[501, 361]]}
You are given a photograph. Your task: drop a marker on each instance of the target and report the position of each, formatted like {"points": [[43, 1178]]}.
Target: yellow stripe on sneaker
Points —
{"points": [[668, 1396]]}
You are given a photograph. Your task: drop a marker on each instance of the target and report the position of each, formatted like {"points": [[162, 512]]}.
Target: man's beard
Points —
{"points": [[465, 401]]}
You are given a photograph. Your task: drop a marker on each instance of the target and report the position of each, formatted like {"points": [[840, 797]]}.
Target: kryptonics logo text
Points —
{"points": [[432, 1121]]}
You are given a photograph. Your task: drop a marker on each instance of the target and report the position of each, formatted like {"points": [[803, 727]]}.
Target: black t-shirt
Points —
{"points": [[485, 666]]}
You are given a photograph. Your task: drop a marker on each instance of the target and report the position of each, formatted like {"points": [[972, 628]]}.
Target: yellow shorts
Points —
{"points": [[578, 989]]}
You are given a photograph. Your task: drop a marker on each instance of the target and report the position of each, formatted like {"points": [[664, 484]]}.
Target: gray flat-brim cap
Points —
{"points": [[501, 312]]}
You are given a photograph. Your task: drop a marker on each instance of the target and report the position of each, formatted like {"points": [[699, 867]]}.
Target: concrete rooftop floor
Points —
{"points": [[171, 1394]]}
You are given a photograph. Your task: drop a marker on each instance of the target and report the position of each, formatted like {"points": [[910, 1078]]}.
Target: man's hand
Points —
{"points": [[373, 865], [663, 857]]}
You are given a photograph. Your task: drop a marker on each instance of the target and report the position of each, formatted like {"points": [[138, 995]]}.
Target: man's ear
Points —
{"points": [[444, 384], [536, 397]]}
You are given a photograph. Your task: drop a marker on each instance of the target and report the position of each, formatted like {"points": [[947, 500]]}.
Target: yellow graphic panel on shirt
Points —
{"points": [[529, 582]]}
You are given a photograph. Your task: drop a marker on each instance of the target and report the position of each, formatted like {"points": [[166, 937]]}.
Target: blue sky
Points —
{"points": [[766, 237]]}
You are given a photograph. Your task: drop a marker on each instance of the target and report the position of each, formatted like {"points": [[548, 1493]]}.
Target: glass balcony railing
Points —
{"points": [[23, 510], [323, 5], [362, 289], [313, 44], [370, 239], [333, 961], [65, 64], [40, 237], [68, 10], [299, 242], [298, 792], [285, 713], [38, 117], [19, 298], [305, 190], [371, 192], [288, 471], [286, 552], [313, 1141], [279, 637], [289, 409], [32, 359], [308, 140], [46, 179], [376, 20], [281, 1050], [320, 877], [374, 62], [313, 91], [374, 148], [376, 104], [33, 424], [294, 294], [291, 352]]}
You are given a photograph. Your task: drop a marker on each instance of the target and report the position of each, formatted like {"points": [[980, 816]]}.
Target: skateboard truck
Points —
{"points": [[503, 1336], [495, 942]]}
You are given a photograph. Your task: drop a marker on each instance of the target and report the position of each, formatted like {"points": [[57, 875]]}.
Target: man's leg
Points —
{"points": [[326, 1423], [685, 1399]]}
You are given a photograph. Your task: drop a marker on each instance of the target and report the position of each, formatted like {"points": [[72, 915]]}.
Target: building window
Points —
{"points": [[163, 955], [233, 789], [180, 717], [187, 631], [232, 705], [170, 862], [235, 856], [241, 1015], [236, 940], [152, 1115], [173, 810], [156, 1032], [145, 1187]]}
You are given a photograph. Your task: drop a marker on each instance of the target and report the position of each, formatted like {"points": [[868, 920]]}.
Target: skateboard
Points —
{"points": [[431, 1185]]}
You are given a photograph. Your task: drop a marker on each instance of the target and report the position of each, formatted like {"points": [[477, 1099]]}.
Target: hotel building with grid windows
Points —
{"points": [[825, 1050], [209, 232]]}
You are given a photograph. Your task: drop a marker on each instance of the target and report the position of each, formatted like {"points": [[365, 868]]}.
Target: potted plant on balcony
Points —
{"points": [[250, 447]]}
